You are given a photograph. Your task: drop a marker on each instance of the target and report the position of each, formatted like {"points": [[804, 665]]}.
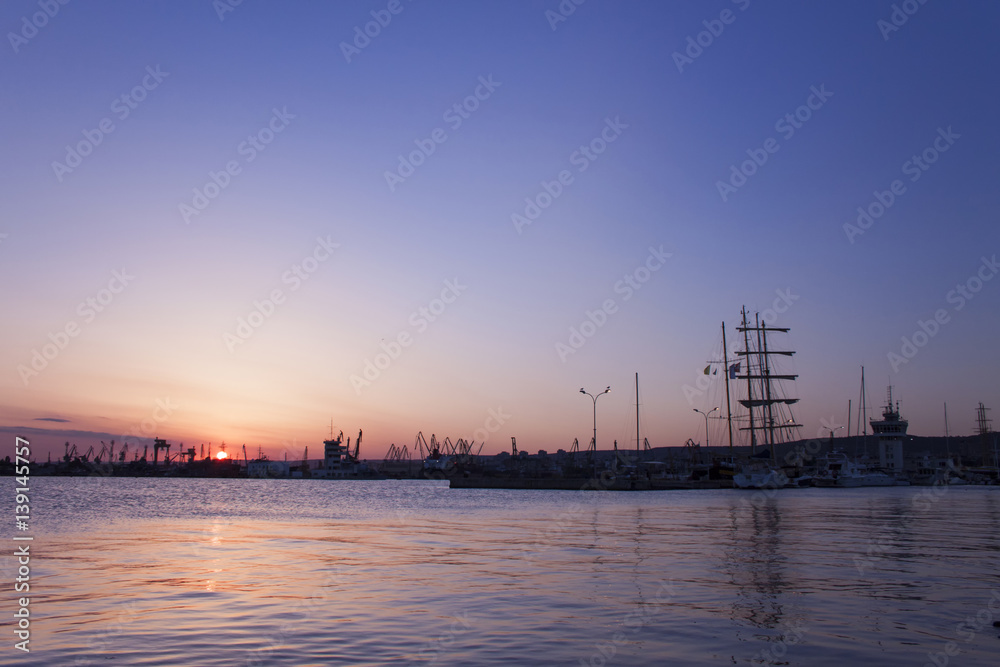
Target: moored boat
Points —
{"points": [[837, 470]]}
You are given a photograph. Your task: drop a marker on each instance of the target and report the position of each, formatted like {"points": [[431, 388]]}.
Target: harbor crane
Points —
{"points": [[513, 446], [397, 454], [105, 449], [421, 445], [465, 449], [158, 444]]}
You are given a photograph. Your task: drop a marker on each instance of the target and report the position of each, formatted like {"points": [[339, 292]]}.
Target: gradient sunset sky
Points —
{"points": [[663, 120]]}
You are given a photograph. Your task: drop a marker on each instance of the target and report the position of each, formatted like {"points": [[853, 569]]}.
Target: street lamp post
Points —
{"points": [[705, 415], [595, 409]]}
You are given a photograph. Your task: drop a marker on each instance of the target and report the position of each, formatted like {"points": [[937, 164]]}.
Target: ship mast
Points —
{"points": [[769, 394], [760, 369], [746, 352], [983, 424], [767, 386], [729, 414], [637, 441], [848, 419], [864, 418], [947, 445]]}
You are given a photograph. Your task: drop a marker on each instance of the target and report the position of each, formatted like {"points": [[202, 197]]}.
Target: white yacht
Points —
{"points": [[836, 469]]}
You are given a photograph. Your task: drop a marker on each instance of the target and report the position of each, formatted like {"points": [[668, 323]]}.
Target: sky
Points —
{"points": [[243, 222]]}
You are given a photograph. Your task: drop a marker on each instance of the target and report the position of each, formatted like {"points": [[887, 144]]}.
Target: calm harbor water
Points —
{"points": [[291, 572]]}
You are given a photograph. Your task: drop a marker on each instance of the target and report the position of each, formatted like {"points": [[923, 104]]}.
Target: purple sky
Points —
{"points": [[218, 222]]}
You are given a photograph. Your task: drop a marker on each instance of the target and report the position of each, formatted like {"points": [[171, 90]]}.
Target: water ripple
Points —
{"points": [[298, 572]]}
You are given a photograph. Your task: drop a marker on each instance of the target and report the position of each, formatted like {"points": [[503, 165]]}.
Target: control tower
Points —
{"points": [[891, 432]]}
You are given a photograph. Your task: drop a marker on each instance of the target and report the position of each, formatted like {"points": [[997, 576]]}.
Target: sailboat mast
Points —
{"points": [[637, 441], [864, 409], [746, 348], [767, 384], [864, 405], [760, 369], [729, 414], [947, 445], [848, 418]]}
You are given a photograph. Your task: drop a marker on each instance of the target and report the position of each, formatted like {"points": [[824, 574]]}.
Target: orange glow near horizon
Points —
{"points": [[221, 455]]}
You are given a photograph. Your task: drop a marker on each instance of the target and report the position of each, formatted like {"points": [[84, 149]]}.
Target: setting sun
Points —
{"points": [[221, 455]]}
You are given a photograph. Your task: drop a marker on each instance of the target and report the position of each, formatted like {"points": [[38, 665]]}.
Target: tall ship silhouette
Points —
{"points": [[768, 417]]}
